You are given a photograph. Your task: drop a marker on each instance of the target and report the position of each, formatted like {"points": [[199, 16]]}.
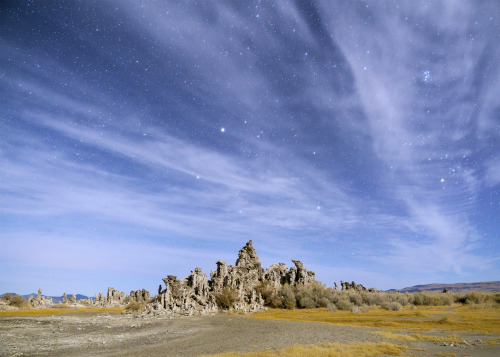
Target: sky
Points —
{"points": [[140, 139]]}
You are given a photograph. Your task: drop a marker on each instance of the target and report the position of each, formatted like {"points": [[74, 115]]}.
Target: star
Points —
{"points": [[222, 130], [442, 180]]}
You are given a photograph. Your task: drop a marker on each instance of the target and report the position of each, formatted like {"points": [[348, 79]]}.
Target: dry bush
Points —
{"points": [[266, 291], [331, 307], [392, 306], [430, 299], [356, 298], [344, 304], [134, 306], [306, 302], [288, 297], [6, 297], [226, 298], [17, 301], [475, 297]]}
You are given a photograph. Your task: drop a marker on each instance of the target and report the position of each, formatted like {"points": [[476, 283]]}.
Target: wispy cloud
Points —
{"points": [[374, 148]]}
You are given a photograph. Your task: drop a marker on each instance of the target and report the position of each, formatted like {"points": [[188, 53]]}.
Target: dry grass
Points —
{"points": [[134, 306], [365, 349], [422, 318], [418, 337], [57, 311]]}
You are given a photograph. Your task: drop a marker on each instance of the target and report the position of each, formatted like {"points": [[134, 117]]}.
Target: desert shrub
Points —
{"points": [[495, 298], [370, 298], [356, 298], [392, 306], [344, 304], [418, 299], [288, 297], [446, 300], [331, 307], [323, 302], [306, 302], [18, 301], [226, 298], [266, 291], [474, 297], [134, 306], [430, 299], [7, 297], [403, 299], [355, 309], [275, 301]]}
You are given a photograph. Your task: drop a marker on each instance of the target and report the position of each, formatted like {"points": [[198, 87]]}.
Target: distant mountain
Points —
{"points": [[485, 286], [55, 299]]}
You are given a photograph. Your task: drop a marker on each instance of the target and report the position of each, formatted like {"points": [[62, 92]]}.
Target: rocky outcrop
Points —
{"points": [[235, 285], [355, 287], [39, 300], [99, 300], [115, 297], [140, 296]]}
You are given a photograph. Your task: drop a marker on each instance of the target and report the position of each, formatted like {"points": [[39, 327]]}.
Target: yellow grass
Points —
{"points": [[418, 337], [422, 318], [366, 349], [57, 311]]}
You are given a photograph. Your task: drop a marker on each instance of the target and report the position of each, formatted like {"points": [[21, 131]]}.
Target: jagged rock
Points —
{"points": [[195, 295], [115, 297], [65, 298], [277, 275], [303, 276], [139, 296], [72, 299], [354, 286], [39, 300], [248, 258], [99, 299]]}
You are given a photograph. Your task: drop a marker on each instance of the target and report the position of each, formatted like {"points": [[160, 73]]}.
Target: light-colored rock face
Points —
{"points": [[115, 297], [196, 295], [40, 301], [139, 296], [248, 258], [353, 286]]}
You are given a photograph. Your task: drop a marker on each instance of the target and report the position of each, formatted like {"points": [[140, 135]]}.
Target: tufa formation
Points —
{"points": [[230, 286]]}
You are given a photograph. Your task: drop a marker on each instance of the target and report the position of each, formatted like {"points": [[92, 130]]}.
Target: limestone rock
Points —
{"points": [[39, 300], [248, 258], [139, 296], [354, 286], [115, 297], [197, 295]]}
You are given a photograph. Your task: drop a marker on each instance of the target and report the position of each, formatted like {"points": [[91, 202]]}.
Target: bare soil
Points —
{"points": [[125, 335]]}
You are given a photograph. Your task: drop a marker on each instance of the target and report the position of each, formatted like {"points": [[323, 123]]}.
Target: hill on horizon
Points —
{"points": [[484, 286]]}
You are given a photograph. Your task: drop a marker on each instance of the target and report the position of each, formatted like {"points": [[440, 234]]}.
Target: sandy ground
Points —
{"points": [[121, 335]]}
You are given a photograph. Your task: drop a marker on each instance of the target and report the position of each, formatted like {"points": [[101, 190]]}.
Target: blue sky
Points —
{"points": [[140, 139]]}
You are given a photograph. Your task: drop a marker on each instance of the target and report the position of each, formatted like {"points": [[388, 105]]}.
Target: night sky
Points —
{"points": [[140, 139]]}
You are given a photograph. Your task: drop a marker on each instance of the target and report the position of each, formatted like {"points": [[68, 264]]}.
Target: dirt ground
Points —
{"points": [[125, 335]]}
